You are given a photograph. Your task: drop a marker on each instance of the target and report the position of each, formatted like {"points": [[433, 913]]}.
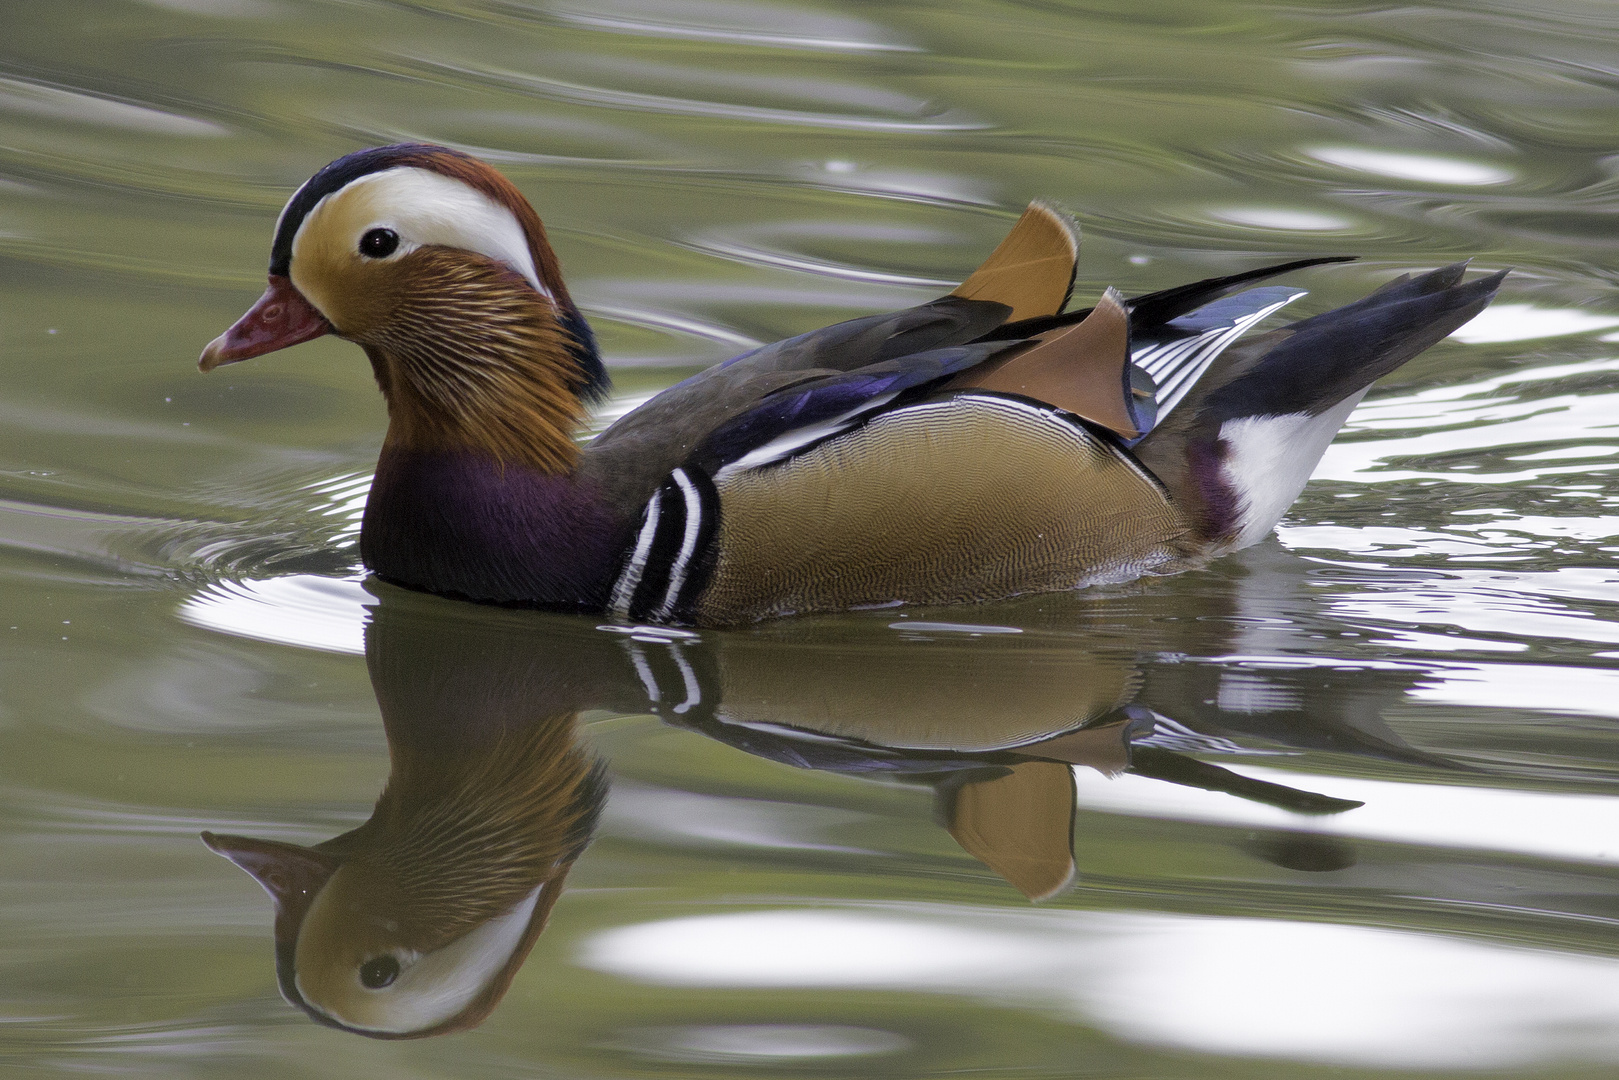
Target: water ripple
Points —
{"points": [[786, 261], [673, 321], [57, 103], [582, 94], [774, 26]]}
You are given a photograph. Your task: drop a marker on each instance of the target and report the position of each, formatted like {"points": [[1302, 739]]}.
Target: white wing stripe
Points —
{"points": [[783, 445], [1176, 366]]}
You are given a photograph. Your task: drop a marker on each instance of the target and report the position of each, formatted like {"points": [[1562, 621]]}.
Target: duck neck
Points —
{"points": [[457, 522], [477, 493]]}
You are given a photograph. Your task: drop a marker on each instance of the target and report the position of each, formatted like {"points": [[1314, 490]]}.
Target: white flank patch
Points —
{"points": [[1270, 459], [426, 208]]}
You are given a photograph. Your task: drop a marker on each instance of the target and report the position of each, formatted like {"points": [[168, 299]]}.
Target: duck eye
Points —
{"points": [[375, 974], [379, 244]]}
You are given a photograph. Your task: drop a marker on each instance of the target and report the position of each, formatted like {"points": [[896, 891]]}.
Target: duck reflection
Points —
{"points": [[991, 719], [414, 923]]}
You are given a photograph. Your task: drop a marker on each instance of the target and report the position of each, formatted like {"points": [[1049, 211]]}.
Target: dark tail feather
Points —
{"points": [[1325, 359], [1442, 278], [1238, 449]]}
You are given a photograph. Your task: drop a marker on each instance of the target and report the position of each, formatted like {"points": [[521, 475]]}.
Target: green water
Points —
{"points": [[774, 887]]}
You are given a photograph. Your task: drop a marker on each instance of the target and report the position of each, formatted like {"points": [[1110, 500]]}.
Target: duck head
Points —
{"points": [[438, 267]]}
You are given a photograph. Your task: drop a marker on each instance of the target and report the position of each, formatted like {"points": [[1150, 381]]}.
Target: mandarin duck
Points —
{"points": [[414, 923], [984, 445]]}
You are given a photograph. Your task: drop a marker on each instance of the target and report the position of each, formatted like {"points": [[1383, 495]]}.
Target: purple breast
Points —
{"points": [[463, 525]]}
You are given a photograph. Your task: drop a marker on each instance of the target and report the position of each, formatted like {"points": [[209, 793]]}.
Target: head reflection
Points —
{"points": [[415, 923]]}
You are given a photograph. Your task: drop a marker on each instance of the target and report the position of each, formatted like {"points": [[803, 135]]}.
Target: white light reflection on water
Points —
{"points": [[1537, 688], [1525, 322], [1403, 166], [1581, 828], [1479, 606], [823, 948], [1493, 414], [1270, 217], [911, 185], [1259, 987], [299, 609]]}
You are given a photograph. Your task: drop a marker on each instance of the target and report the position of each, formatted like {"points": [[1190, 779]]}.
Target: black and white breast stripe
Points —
{"points": [[667, 567]]}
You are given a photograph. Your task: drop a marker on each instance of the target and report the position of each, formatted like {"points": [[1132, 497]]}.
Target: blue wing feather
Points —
{"points": [[805, 413]]}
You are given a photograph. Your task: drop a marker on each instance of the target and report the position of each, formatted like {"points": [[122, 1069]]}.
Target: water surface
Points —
{"points": [[1342, 805]]}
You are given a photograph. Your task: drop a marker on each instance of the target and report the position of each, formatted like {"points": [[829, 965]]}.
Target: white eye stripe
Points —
{"points": [[425, 208]]}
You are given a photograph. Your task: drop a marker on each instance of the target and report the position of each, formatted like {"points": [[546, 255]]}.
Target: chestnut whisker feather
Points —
{"points": [[477, 360]]}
